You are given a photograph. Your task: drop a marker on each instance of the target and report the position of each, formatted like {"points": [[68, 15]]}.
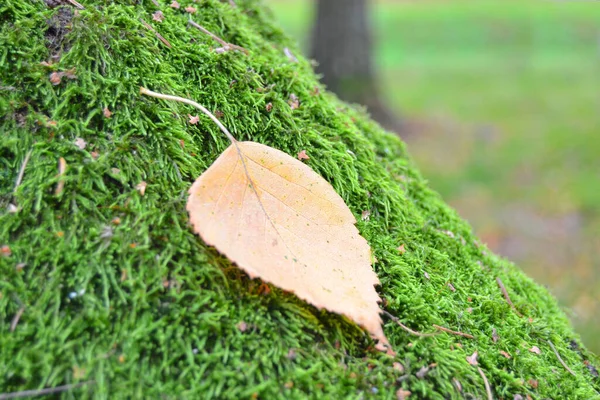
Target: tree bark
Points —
{"points": [[342, 44]]}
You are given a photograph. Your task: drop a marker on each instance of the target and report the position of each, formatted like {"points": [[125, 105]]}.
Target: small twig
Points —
{"points": [[76, 4], [560, 359], [406, 328], [62, 167], [193, 104], [22, 171], [42, 392], [441, 328], [17, 317], [488, 389], [158, 35], [507, 297], [226, 46]]}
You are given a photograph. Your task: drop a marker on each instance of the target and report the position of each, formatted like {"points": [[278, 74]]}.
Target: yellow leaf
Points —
{"points": [[280, 221], [288, 226]]}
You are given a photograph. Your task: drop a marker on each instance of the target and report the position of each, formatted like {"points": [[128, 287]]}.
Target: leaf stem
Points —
{"points": [[192, 103]]}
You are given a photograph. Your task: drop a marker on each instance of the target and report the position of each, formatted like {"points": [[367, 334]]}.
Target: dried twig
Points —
{"points": [[441, 328], [22, 171], [406, 328], [507, 297], [158, 35], [488, 389], [17, 317], [560, 359], [42, 392], [62, 167], [76, 4], [226, 46]]}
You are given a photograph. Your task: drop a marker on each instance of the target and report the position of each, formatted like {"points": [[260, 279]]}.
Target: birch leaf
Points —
{"points": [[280, 221]]}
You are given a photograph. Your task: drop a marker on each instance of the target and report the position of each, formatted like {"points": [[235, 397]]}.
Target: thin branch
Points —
{"points": [[488, 389], [76, 4], [226, 45], [406, 328], [15, 320], [158, 35], [22, 171], [42, 392], [193, 104], [560, 359], [507, 297], [441, 328], [62, 167]]}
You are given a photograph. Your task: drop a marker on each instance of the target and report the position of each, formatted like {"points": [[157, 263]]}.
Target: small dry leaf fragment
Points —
{"points": [[141, 187], [288, 384], [242, 326], [56, 78], [5, 251], [294, 102], [495, 336], [518, 397], [422, 372], [190, 9], [269, 107], [174, 5], [472, 359], [533, 383], [158, 16], [451, 287], [457, 384], [107, 113], [505, 354], [116, 221], [290, 55], [279, 220], [79, 142], [426, 275], [122, 358], [402, 394], [398, 367], [303, 156], [401, 249], [365, 215], [535, 350], [193, 119], [123, 275], [291, 355], [95, 154], [12, 208]]}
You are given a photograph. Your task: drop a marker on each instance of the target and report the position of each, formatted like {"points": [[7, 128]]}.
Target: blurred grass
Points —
{"points": [[502, 101]]}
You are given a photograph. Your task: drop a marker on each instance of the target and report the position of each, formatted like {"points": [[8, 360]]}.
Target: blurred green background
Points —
{"points": [[501, 102]]}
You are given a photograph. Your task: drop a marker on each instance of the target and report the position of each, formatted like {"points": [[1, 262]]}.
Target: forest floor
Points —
{"points": [[501, 102]]}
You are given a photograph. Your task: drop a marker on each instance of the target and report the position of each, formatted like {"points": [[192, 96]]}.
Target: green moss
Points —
{"points": [[144, 309]]}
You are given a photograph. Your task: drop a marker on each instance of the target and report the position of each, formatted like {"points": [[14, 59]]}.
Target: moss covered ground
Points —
{"points": [[108, 287]]}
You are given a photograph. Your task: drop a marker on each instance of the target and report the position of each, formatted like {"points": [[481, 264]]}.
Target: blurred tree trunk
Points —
{"points": [[342, 45]]}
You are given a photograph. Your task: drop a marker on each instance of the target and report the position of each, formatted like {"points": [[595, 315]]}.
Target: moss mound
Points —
{"points": [[104, 286]]}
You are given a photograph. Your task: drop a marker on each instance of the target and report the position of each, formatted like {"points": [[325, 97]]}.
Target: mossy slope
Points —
{"points": [[117, 290]]}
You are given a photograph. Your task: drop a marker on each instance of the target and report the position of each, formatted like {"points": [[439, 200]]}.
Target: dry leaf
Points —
{"points": [[158, 16], [472, 359], [401, 249], [288, 227], [303, 156], [174, 5], [290, 55], [402, 394], [426, 275], [533, 383], [190, 9], [79, 142], [294, 102], [269, 107], [5, 251], [398, 367], [495, 336], [141, 187], [107, 113], [451, 287], [505, 354], [56, 77], [193, 119], [242, 326], [535, 350], [366, 215]]}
